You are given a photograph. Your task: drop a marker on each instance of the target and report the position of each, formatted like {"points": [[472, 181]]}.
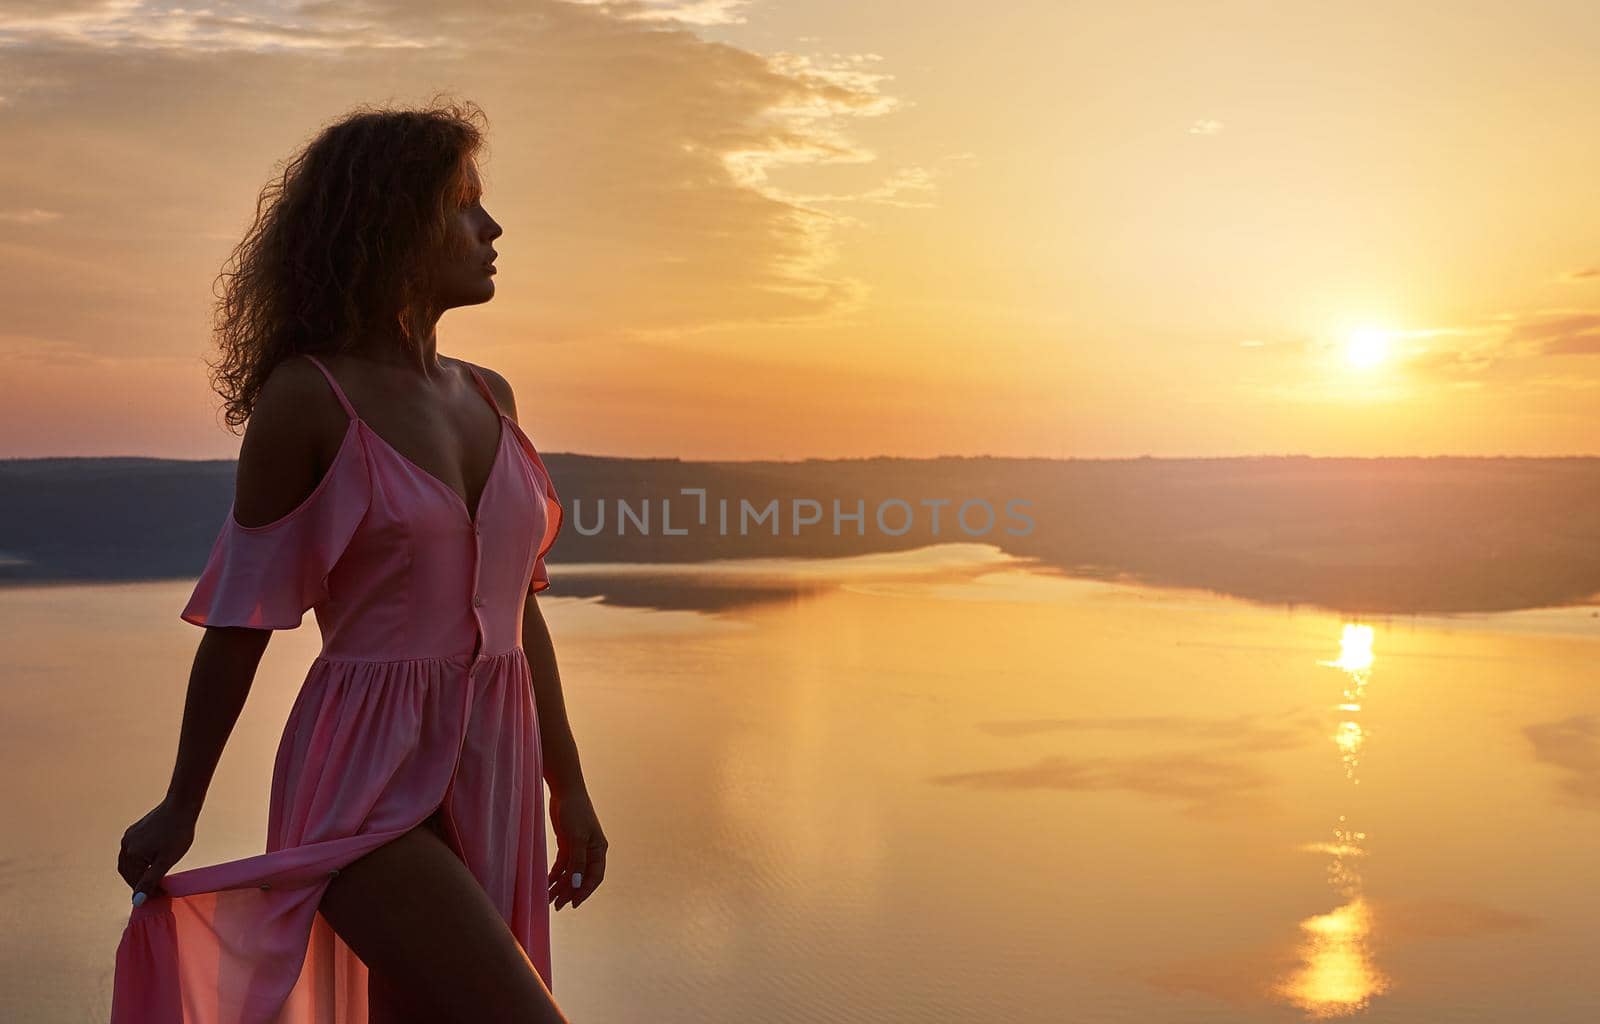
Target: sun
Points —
{"points": [[1366, 347]]}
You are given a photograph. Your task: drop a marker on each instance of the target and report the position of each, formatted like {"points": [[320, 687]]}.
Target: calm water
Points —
{"points": [[926, 792]]}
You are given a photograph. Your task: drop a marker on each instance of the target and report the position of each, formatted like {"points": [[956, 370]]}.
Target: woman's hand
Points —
{"points": [[580, 861], [153, 844]]}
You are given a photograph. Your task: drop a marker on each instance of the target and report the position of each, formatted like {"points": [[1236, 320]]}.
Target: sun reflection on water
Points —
{"points": [[1338, 975]]}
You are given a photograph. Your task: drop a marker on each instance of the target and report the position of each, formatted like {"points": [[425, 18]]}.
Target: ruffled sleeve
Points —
{"points": [[553, 514], [267, 577], [552, 528]]}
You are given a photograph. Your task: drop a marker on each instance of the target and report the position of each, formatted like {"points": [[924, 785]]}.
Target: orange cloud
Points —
{"points": [[631, 164]]}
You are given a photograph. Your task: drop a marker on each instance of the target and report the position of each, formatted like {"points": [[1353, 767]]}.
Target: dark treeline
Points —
{"points": [[1362, 535]]}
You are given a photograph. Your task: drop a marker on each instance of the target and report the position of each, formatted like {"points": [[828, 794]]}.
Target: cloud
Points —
{"points": [[23, 353], [1507, 346], [1510, 351], [642, 173], [1557, 334], [126, 25], [29, 216], [1586, 344], [1583, 274], [1277, 346], [687, 12], [909, 188]]}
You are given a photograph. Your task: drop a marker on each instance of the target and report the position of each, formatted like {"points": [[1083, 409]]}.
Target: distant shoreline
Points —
{"points": [[1362, 535]]}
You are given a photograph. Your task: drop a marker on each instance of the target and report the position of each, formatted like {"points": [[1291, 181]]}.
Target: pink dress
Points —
{"points": [[420, 700]]}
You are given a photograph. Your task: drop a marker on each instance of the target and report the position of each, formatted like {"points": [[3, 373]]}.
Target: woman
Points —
{"points": [[392, 490]]}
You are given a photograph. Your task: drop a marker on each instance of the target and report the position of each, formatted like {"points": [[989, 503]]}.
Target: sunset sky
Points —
{"points": [[781, 230]]}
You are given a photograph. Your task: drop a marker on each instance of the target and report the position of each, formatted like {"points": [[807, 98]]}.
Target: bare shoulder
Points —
{"points": [[499, 385], [293, 433]]}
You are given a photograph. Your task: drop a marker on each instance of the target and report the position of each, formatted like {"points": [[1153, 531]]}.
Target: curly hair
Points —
{"points": [[342, 241]]}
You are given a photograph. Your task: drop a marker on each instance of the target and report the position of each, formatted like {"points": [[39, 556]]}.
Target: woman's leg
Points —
{"points": [[418, 918], [390, 1004]]}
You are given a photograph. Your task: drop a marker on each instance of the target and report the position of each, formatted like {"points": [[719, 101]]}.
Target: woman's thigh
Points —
{"points": [[420, 921]]}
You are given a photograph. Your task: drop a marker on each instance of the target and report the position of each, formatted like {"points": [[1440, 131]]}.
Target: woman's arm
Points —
{"points": [[561, 768], [285, 451], [288, 445], [580, 861], [219, 682]]}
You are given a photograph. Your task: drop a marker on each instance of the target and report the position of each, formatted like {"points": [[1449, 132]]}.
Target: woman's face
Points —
{"points": [[465, 271]]}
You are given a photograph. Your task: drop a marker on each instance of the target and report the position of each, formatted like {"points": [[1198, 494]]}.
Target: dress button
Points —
{"points": [[265, 886], [477, 599], [476, 529]]}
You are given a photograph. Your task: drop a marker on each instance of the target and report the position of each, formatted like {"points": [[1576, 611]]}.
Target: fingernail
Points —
{"points": [[138, 899], [577, 879]]}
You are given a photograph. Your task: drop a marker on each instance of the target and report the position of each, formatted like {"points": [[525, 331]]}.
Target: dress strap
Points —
{"points": [[337, 390], [482, 385]]}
